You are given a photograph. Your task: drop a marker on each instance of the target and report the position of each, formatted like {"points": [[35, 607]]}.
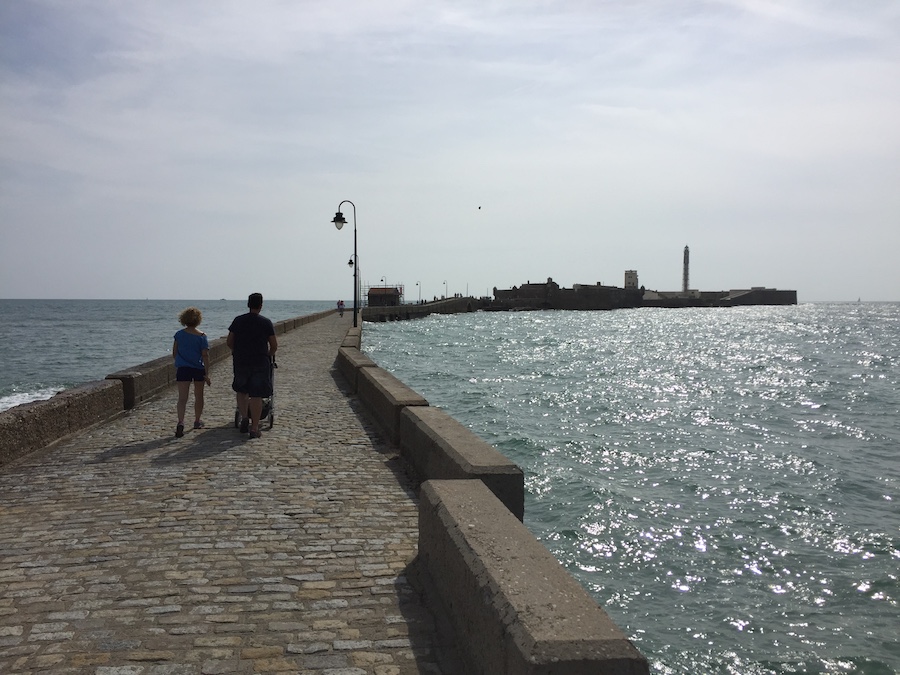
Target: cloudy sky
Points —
{"points": [[193, 149]]}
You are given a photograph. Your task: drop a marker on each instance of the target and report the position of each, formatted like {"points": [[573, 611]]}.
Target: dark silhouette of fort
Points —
{"points": [[550, 295]]}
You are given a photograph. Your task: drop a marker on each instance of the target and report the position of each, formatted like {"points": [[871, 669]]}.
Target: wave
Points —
{"points": [[20, 397]]}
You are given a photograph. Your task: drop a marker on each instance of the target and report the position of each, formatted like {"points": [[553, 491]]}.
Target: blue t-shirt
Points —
{"points": [[190, 349]]}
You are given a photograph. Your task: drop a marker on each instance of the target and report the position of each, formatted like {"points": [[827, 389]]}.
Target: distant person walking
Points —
{"points": [[340, 307], [191, 354], [251, 338]]}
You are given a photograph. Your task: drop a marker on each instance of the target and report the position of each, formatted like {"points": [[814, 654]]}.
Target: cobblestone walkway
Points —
{"points": [[127, 551]]}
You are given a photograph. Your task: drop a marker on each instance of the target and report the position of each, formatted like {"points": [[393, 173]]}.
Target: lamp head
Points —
{"points": [[339, 220], [349, 262]]}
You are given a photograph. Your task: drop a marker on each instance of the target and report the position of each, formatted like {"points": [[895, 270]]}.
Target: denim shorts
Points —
{"points": [[188, 374], [256, 381]]}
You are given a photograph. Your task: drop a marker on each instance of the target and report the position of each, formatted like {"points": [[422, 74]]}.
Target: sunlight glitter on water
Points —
{"points": [[702, 473]]}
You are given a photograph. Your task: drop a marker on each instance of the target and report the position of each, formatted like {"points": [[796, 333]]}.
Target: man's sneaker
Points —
{"points": [[255, 434], [179, 431], [245, 425], [199, 424]]}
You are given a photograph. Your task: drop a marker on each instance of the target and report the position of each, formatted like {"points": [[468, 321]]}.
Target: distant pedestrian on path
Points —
{"points": [[251, 338], [341, 308], [191, 354]]}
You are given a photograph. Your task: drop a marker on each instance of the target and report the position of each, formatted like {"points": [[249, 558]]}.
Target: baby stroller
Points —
{"points": [[268, 407]]}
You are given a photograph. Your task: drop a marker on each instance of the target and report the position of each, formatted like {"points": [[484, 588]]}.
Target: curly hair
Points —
{"points": [[190, 317]]}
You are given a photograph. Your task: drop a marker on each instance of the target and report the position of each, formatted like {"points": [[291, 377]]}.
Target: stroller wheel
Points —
{"points": [[237, 419], [271, 420]]}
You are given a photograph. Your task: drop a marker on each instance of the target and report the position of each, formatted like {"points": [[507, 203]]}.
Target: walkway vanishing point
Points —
{"points": [[313, 550], [127, 551]]}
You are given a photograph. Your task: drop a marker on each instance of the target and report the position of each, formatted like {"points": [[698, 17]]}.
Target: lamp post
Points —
{"points": [[339, 222], [445, 290], [419, 286]]}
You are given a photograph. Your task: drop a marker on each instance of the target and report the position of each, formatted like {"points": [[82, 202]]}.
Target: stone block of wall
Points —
{"points": [[353, 338], [349, 361], [384, 396], [145, 381], [513, 607], [35, 425], [437, 446]]}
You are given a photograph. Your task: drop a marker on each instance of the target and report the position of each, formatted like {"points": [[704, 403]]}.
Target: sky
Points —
{"points": [[199, 149]]}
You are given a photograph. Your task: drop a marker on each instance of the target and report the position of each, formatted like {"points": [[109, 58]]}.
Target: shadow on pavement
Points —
{"points": [[199, 445]]}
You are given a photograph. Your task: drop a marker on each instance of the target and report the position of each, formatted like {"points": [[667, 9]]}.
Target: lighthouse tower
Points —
{"points": [[686, 273]]}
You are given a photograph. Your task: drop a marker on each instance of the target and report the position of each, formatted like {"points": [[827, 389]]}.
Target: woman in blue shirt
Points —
{"points": [[191, 354]]}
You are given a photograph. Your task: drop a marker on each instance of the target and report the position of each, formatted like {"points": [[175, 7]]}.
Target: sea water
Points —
{"points": [[724, 482], [50, 345]]}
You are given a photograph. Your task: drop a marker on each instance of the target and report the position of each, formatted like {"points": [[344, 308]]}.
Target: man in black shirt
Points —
{"points": [[251, 338]]}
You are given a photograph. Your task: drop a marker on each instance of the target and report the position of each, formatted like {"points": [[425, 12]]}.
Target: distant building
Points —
{"points": [[631, 279], [384, 296]]}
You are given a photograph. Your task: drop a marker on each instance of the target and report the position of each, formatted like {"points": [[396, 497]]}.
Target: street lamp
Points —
{"points": [[339, 222], [445, 290], [419, 286]]}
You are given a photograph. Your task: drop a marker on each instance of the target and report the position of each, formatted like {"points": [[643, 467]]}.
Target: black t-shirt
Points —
{"points": [[251, 339]]}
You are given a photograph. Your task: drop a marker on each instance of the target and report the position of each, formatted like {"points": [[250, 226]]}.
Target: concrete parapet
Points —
{"points": [[353, 338], [34, 425], [439, 447], [385, 397], [148, 379], [144, 381], [218, 350], [349, 361], [309, 318], [513, 607]]}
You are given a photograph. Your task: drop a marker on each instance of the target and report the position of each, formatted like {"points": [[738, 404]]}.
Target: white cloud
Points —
{"points": [[597, 137]]}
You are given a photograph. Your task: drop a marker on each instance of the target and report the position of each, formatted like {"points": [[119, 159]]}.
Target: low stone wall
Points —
{"points": [[349, 361], [35, 425], [146, 380], [32, 426], [353, 338], [385, 397], [287, 325], [458, 305], [513, 608], [433, 443], [437, 446]]}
